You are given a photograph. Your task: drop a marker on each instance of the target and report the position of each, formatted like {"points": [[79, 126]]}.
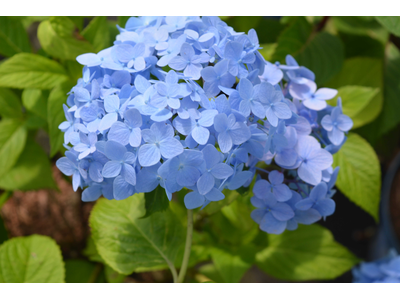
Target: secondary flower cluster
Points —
{"points": [[386, 270], [187, 102]]}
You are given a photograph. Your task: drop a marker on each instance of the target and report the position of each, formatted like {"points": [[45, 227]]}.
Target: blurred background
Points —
{"points": [[359, 56]]}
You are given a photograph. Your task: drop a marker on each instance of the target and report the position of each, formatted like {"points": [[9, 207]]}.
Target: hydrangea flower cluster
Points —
{"points": [[187, 102], [386, 270]]}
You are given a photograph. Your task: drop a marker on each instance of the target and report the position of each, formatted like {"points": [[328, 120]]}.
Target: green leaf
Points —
{"points": [[390, 23], [78, 21], [3, 232], [35, 100], [360, 45], [211, 272], [90, 251], [122, 20], [321, 52], [389, 116], [231, 264], [13, 37], [12, 141], [354, 100], [367, 26], [4, 197], [34, 258], [128, 243], [360, 174], [27, 70], [113, 276], [292, 39], [233, 224], [268, 50], [31, 172], [155, 201], [243, 23], [97, 33], [10, 104], [74, 69], [308, 253], [59, 39], [81, 271], [55, 115], [367, 72]]}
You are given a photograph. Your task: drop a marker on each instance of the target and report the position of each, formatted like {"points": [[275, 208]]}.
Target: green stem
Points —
{"points": [[188, 246], [173, 271]]}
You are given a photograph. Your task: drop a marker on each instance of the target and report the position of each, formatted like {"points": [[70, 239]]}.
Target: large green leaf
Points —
{"points": [[83, 271], [97, 33], [13, 37], [321, 52], [354, 100], [129, 243], [390, 23], [233, 224], [155, 201], [308, 253], [360, 175], [12, 141], [292, 39], [3, 232], [389, 116], [366, 72], [231, 264], [59, 39], [35, 100], [31, 259], [31, 172], [26, 70], [55, 115], [10, 104], [361, 45], [361, 25]]}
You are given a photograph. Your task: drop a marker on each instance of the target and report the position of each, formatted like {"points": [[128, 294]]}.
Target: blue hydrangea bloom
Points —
{"points": [[188, 103], [385, 270]]}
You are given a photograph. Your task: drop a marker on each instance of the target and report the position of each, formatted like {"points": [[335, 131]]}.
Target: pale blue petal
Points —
{"points": [[129, 174], [194, 200], [112, 169], [119, 132], [270, 224], [200, 135], [222, 171], [149, 154], [114, 150], [282, 212], [122, 189], [205, 183], [225, 142], [92, 193]]}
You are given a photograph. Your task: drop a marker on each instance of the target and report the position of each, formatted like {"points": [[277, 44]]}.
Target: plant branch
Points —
{"points": [[188, 246]]}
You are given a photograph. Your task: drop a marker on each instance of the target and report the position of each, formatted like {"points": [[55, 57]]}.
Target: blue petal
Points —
{"points": [[194, 200], [119, 132], [170, 147], [221, 171], [271, 225], [112, 169], [282, 212], [129, 174], [205, 183], [122, 189], [188, 176], [114, 150], [149, 155], [91, 193]]}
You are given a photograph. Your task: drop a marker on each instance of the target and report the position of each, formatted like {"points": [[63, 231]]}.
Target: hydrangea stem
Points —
{"points": [[188, 246]]}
